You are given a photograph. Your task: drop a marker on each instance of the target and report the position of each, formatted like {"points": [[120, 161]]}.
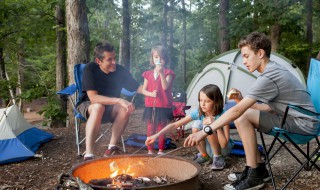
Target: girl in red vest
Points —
{"points": [[157, 87]]}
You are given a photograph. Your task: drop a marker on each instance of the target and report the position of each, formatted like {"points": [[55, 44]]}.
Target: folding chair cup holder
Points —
{"points": [[73, 94], [309, 158]]}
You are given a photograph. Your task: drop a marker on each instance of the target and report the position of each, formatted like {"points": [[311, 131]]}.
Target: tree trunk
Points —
{"points": [[61, 59], [78, 44], [125, 46], [309, 31], [22, 62], [184, 31], [275, 37], [77, 35], [164, 24], [170, 64], [2, 71], [12, 94], [223, 26]]}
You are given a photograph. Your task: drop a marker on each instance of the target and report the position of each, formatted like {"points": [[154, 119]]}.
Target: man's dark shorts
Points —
{"points": [[269, 120], [107, 115]]}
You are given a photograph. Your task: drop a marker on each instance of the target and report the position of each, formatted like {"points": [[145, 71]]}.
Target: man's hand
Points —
{"points": [[150, 140], [128, 105], [195, 138]]}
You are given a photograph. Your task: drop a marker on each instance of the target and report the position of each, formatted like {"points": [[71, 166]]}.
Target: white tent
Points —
{"points": [[18, 139], [227, 71]]}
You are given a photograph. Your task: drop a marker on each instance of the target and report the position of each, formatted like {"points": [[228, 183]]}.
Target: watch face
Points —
{"points": [[206, 129]]}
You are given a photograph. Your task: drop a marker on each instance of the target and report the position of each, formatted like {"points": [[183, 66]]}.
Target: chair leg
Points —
{"points": [[123, 145], [267, 160], [77, 131]]}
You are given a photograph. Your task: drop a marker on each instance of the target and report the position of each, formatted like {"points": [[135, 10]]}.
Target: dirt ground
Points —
{"points": [[59, 156]]}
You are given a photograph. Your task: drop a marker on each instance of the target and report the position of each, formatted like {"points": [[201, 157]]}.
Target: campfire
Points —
{"points": [[123, 178], [138, 172]]}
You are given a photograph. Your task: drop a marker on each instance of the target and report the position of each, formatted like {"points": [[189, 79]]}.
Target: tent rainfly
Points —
{"points": [[18, 139], [227, 71]]}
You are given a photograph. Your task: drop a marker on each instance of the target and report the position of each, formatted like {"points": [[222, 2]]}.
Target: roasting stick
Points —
{"points": [[166, 153], [114, 166]]}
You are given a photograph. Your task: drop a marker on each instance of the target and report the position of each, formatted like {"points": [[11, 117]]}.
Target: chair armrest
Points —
{"points": [[127, 92], [299, 109], [70, 90], [303, 110]]}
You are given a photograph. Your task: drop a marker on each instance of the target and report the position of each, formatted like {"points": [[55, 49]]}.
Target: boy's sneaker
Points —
{"points": [[112, 151], [253, 181], [218, 163], [239, 176], [201, 159]]}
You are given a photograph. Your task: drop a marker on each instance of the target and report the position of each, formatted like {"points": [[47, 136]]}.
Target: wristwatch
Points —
{"points": [[207, 129]]}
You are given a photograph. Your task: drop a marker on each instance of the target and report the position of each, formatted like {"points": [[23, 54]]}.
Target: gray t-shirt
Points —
{"points": [[277, 87]]}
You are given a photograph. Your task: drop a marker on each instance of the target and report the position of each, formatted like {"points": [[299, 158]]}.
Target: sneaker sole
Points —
{"points": [[233, 179], [221, 168], [256, 187], [230, 187]]}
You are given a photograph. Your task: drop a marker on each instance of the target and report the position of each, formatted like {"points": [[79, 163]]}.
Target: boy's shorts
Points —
{"points": [[269, 120], [107, 115]]}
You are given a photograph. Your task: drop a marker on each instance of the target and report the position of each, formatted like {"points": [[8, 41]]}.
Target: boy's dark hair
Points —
{"points": [[102, 47], [213, 92], [256, 41], [162, 51]]}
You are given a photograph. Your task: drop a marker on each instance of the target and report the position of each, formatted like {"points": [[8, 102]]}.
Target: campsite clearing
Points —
{"points": [[59, 155]]}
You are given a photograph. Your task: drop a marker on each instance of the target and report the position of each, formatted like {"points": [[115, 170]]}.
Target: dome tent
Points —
{"points": [[18, 139], [227, 71]]}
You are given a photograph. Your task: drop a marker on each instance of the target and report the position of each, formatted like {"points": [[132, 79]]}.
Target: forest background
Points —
{"points": [[42, 40]]}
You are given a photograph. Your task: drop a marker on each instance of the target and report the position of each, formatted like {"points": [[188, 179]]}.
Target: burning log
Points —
{"points": [[123, 178], [101, 182]]}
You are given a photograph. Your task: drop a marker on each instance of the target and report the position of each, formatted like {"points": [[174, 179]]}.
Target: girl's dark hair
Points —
{"points": [[162, 51], [256, 41], [213, 92], [100, 48]]}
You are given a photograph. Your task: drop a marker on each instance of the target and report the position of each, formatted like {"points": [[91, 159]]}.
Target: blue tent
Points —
{"points": [[18, 139]]}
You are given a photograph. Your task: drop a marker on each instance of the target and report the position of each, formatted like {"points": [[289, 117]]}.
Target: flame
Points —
{"points": [[114, 174], [126, 170]]}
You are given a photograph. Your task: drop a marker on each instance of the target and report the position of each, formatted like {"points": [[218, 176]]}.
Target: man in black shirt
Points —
{"points": [[102, 82]]}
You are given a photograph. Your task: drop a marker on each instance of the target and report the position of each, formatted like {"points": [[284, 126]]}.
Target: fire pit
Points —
{"points": [[185, 173]]}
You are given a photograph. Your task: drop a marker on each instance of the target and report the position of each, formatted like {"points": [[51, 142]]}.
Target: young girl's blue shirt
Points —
{"points": [[199, 118], [195, 116]]}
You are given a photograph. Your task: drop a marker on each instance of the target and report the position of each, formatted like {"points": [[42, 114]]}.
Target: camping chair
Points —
{"points": [[179, 108], [73, 93], [282, 136]]}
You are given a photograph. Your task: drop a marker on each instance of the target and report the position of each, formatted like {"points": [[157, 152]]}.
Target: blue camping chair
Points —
{"points": [[74, 93], [282, 136]]}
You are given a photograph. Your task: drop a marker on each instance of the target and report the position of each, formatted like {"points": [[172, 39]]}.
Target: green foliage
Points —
{"points": [[28, 26], [52, 111]]}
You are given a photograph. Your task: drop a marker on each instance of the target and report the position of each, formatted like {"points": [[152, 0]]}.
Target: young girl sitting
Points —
{"points": [[157, 87], [210, 108]]}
